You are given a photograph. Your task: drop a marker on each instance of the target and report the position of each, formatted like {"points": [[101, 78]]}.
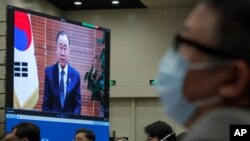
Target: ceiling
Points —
{"points": [[154, 4], [124, 4]]}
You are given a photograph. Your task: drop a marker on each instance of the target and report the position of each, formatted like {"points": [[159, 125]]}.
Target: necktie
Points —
{"points": [[61, 85]]}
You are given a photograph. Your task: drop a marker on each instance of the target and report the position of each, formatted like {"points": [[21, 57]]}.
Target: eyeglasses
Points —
{"points": [[80, 139], [213, 51], [148, 139], [63, 48], [223, 58]]}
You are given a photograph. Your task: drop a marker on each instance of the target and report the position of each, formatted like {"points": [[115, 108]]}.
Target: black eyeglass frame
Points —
{"points": [[213, 51]]}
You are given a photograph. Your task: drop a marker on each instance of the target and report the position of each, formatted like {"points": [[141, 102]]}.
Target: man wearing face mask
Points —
{"points": [[204, 80]]}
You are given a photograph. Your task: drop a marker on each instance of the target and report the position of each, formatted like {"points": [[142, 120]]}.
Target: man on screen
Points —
{"points": [[62, 82]]}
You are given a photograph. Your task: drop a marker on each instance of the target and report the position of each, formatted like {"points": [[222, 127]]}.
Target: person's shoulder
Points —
{"points": [[73, 70], [229, 116], [215, 125], [50, 68]]}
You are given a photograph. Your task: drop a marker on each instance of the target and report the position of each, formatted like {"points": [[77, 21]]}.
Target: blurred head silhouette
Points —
{"points": [[208, 67]]}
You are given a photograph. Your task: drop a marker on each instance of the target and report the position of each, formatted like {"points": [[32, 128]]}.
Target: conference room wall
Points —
{"points": [[139, 38]]}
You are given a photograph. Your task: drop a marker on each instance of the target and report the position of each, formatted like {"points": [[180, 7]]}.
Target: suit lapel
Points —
{"points": [[56, 82]]}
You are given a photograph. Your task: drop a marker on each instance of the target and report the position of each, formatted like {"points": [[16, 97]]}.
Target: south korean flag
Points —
{"points": [[26, 86]]}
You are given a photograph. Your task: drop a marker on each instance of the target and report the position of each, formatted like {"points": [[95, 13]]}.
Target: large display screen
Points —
{"points": [[56, 69]]}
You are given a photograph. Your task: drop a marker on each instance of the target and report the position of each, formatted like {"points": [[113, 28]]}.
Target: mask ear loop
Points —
{"points": [[167, 136]]}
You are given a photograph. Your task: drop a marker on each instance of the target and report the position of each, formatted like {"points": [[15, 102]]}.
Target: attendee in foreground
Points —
{"points": [[204, 80], [26, 131], [84, 135], [159, 131]]}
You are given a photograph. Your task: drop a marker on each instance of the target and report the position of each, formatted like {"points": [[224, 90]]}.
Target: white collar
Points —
{"points": [[65, 69]]}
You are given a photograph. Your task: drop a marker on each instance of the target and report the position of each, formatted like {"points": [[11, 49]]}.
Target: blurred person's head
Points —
{"points": [[159, 131], [26, 132], [63, 48], [208, 68], [84, 135], [120, 139], [6, 137]]}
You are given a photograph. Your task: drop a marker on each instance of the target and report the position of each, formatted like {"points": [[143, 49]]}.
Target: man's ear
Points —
{"points": [[238, 80]]}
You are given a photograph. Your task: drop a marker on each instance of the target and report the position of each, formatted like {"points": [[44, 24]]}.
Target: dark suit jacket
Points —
{"points": [[51, 97]]}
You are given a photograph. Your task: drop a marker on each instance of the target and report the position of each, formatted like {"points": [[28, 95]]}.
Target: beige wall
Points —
{"points": [[129, 116], [138, 40], [34, 5]]}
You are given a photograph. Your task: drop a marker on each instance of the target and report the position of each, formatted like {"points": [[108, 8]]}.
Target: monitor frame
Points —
{"points": [[9, 84]]}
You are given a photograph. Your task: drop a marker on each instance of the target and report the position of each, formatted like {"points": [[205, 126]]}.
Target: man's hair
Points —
{"points": [[62, 33], [234, 29], [88, 133], [27, 130], [160, 129]]}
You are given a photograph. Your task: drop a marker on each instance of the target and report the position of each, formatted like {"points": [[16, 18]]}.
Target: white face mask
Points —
{"points": [[172, 73]]}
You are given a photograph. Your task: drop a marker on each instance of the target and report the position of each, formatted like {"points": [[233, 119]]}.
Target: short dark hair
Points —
{"points": [[160, 129], [234, 29], [88, 133], [27, 130], [62, 33]]}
